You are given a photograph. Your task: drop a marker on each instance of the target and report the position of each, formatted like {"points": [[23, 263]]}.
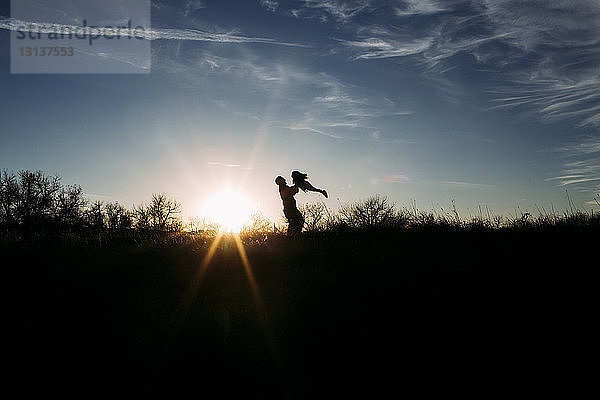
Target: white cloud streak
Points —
{"points": [[313, 131], [419, 7], [463, 184], [563, 40], [270, 5], [338, 111], [545, 54], [340, 10], [581, 166], [373, 48], [222, 164], [12, 24], [555, 97]]}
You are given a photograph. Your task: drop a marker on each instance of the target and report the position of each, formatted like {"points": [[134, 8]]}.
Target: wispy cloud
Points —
{"points": [[231, 110], [464, 184], [222, 164], [270, 5], [419, 7], [543, 54], [581, 165], [554, 97], [372, 48], [341, 110], [340, 10], [314, 131], [248, 67], [97, 196], [397, 178], [555, 59], [308, 102], [192, 6], [557, 23], [347, 11], [148, 34], [391, 178]]}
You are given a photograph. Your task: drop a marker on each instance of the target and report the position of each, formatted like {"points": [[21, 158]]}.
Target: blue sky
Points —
{"points": [[491, 103]]}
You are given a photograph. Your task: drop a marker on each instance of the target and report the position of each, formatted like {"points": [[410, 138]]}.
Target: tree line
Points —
{"points": [[33, 202]]}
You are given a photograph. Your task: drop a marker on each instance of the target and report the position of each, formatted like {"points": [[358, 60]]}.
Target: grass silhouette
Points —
{"points": [[342, 311]]}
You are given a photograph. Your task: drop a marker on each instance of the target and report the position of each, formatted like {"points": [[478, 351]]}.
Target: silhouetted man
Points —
{"points": [[291, 212]]}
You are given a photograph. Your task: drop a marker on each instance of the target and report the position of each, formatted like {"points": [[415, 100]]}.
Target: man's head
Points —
{"points": [[280, 181]]}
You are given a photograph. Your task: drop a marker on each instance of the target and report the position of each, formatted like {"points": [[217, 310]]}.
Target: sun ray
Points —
{"points": [[250, 275], [263, 130], [258, 301], [190, 293]]}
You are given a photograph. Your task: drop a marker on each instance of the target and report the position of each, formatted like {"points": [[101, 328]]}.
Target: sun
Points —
{"points": [[229, 209]]}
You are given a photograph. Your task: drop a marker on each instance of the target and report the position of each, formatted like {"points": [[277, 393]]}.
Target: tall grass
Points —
{"points": [[36, 208]]}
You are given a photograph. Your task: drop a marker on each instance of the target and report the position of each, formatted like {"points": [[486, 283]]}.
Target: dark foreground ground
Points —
{"points": [[371, 315]]}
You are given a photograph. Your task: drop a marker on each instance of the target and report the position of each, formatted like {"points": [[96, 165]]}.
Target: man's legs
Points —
{"points": [[295, 225]]}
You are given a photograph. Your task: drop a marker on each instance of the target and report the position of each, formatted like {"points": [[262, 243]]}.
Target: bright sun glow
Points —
{"points": [[229, 209]]}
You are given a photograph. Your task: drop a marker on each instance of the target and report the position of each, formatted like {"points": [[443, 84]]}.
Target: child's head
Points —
{"points": [[298, 177]]}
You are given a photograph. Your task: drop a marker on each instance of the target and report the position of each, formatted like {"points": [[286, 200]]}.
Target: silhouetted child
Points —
{"points": [[300, 180]]}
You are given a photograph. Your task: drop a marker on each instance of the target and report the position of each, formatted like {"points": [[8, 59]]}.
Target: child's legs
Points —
{"points": [[310, 187]]}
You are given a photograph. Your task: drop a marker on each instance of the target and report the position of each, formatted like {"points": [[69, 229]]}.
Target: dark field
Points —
{"points": [[379, 314]]}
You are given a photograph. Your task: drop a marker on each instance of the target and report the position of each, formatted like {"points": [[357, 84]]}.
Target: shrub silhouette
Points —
{"points": [[258, 223], [198, 225], [375, 211], [317, 217]]}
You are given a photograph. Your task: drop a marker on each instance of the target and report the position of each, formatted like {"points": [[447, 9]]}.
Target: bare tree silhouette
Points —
{"points": [[69, 205], [95, 216], [317, 217], [163, 212], [36, 196], [141, 217], [9, 194], [375, 211], [117, 217], [160, 215]]}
